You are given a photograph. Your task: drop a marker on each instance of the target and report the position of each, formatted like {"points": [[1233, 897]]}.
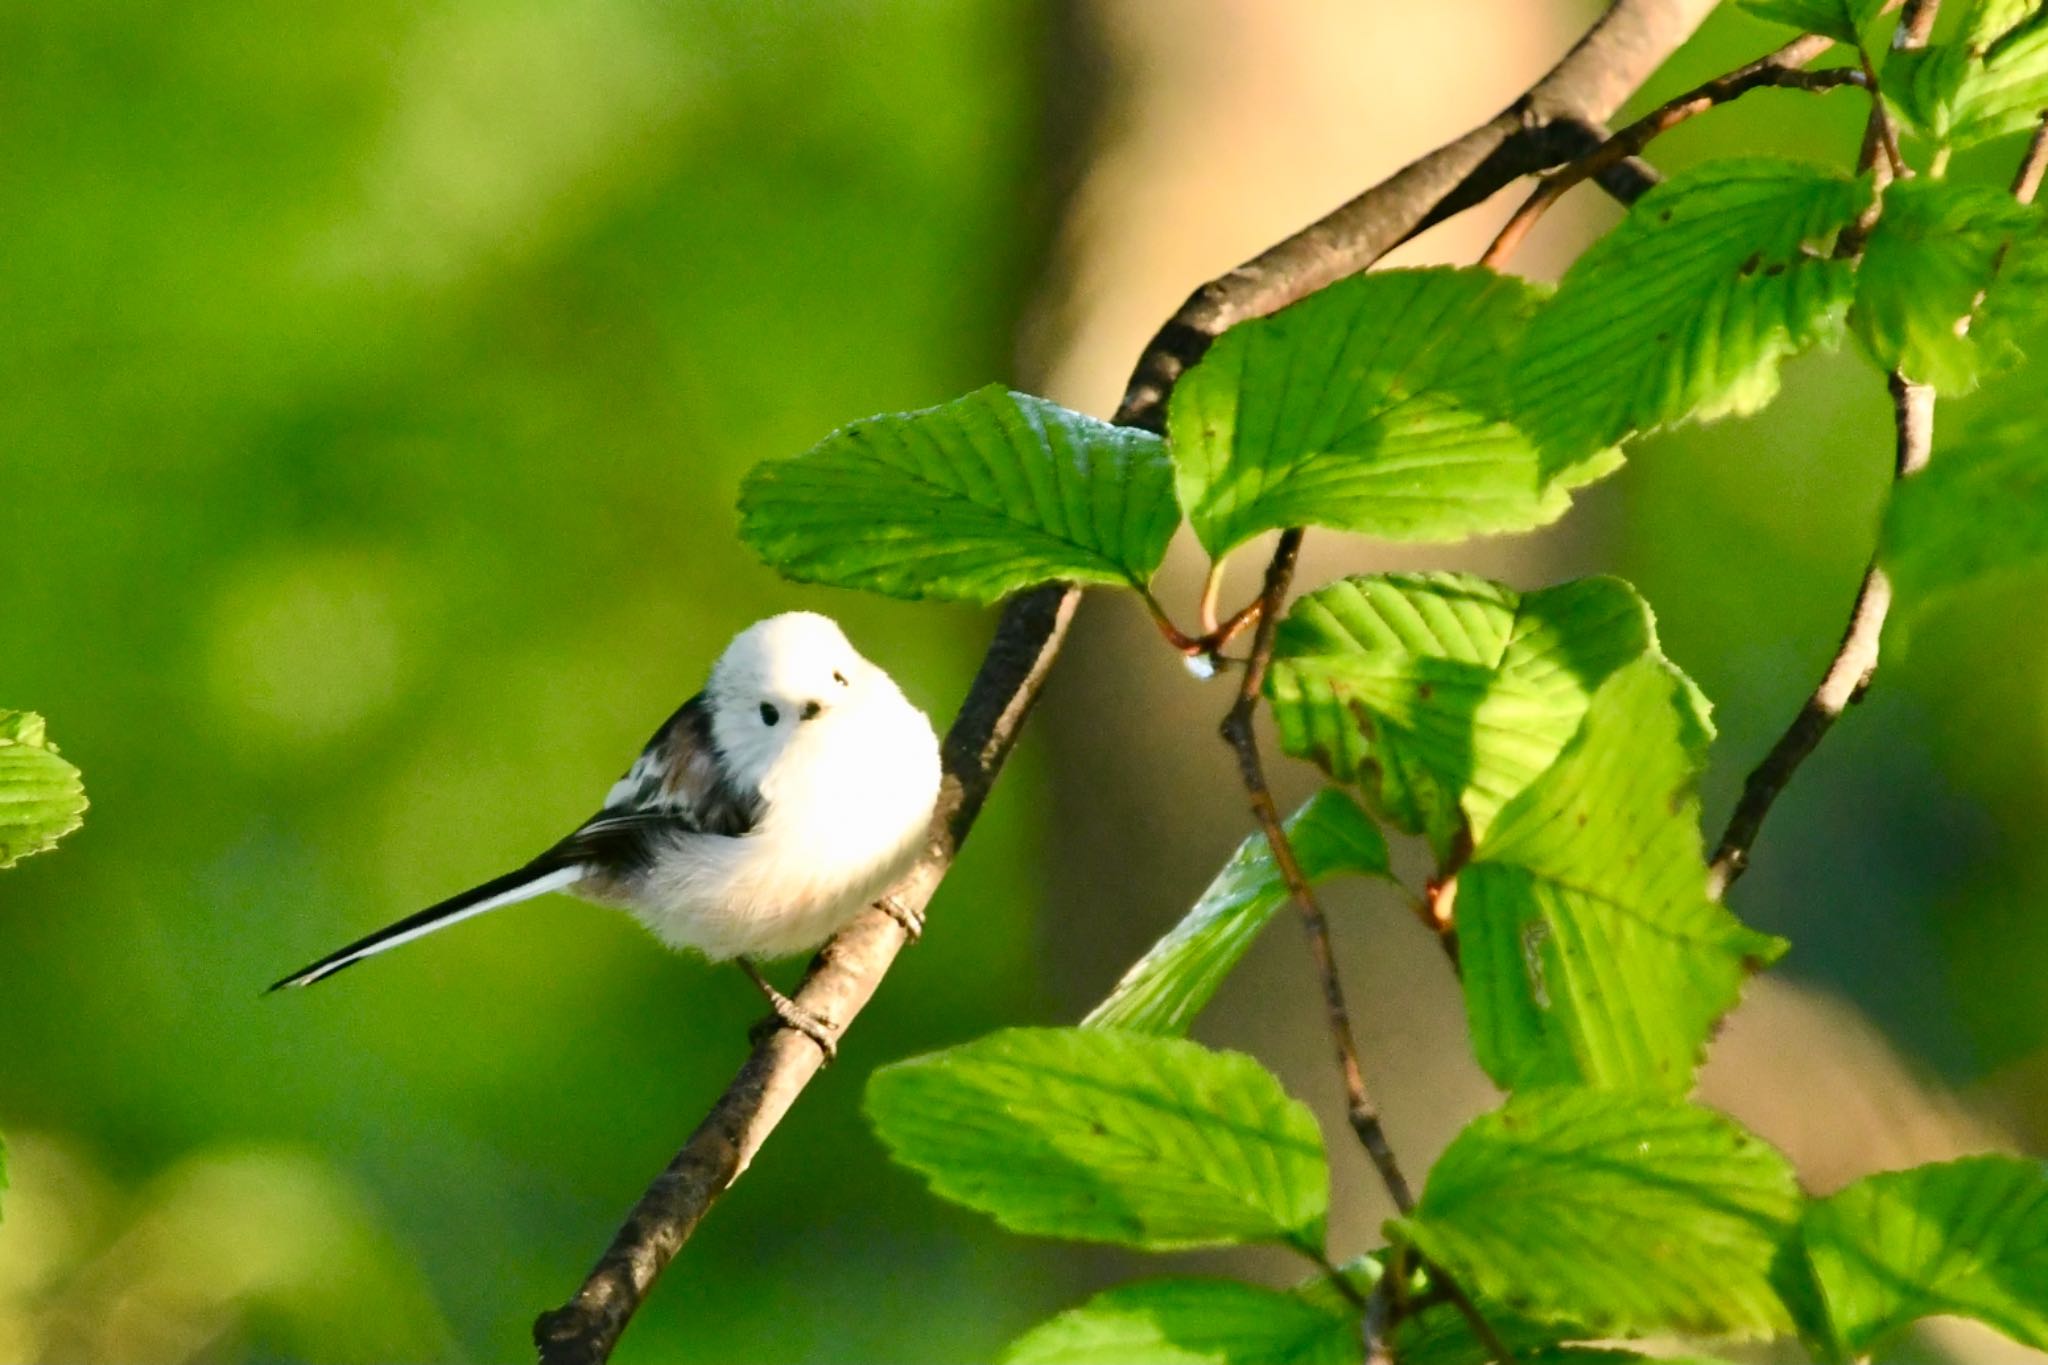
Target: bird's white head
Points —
{"points": [[787, 687]]}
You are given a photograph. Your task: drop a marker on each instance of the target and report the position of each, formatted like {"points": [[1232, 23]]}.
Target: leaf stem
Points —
{"points": [[1189, 645], [1780, 69], [1212, 589]]}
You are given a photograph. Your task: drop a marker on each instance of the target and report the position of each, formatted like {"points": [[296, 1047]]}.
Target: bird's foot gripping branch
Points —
{"points": [[1539, 743]]}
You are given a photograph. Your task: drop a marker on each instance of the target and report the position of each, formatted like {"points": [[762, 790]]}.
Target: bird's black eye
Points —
{"points": [[839, 678], [769, 715]]}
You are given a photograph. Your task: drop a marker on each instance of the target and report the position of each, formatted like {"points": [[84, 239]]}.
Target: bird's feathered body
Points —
{"points": [[795, 789]]}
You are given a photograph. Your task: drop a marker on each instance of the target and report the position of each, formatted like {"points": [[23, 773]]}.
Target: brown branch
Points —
{"points": [[1238, 734], [1545, 127], [1617, 54], [1780, 70]]}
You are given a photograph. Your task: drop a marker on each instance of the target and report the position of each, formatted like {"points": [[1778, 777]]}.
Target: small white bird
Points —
{"points": [[796, 788]]}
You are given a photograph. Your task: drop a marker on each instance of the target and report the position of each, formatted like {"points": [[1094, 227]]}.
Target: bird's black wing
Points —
{"points": [[680, 784]]}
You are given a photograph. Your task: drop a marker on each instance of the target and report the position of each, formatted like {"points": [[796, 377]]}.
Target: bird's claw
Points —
{"points": [[911, 919], [790, 1015]]}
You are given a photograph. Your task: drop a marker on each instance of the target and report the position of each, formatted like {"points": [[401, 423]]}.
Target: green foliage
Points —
{"points": [[1619, 1214], [1193, 1322], [971, 500], [1445, 695], [42, 797], [1989, 81], [1978, 512], [1684, 311], [1167, 987], [1592, 953], [1966, 1238], [1848, 21], [1106, 1136], [1938, 278], [1378, 405]]}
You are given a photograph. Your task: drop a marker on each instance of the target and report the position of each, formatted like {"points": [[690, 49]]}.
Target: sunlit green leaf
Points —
{"points": [[1167, 987], [972, 500], [42, 798], [1989, 81], [1628, 1214], [1444, 695], [1684, 311], [1966, 1239], [1378, 405], [1940, 273], [1592, 953], [1099, 1135], [1847, 21], [1978, 512], [1193, 1322]]}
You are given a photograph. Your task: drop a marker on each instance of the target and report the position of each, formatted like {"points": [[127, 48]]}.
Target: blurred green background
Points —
{"points": [[377, 382]]}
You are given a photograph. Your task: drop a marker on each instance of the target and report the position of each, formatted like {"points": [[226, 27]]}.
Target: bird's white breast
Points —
{"points": [[846, 813]]}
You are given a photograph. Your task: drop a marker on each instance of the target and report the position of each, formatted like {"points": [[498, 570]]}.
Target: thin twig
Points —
{"points": [[1617, 54], [1848, 674], [1481, 1328], [1883, 127], [1780, 69], [1916, 25], [2026, 182], [1854, 664], [1238, 734], [1378, 1325]]}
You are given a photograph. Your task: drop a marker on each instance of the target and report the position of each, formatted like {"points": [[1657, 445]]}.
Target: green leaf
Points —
{"points": [[1966, 1238], [1378, 405], [1103, 1136], [1848, 21], [1938, 271], [1192, 1322], [1627, 1214], [1990, 81], [1978, 512], [42, 798], [970, 501], [1592, 953], [1167, 987], [1685, 309], [1445, 695]]}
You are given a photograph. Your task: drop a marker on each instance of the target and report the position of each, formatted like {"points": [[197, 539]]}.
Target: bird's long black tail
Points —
{"points": [[534, 879]]}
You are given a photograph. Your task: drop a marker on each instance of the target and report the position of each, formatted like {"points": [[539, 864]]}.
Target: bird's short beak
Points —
{"points": [[812, 710]]}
